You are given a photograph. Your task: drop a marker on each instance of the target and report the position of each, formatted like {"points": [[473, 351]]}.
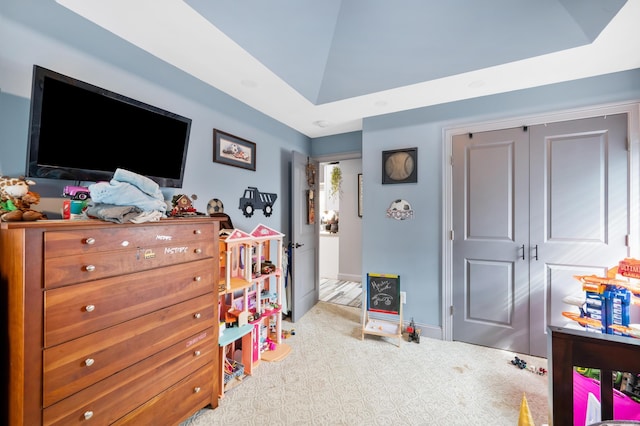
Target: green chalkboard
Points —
{"points": [[383, 293]]}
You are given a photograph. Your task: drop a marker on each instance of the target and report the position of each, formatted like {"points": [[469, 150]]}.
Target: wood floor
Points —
{"points": [[347, 293]]}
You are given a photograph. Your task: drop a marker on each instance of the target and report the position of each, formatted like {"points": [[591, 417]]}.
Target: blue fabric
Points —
{"points": [[135, 190]]}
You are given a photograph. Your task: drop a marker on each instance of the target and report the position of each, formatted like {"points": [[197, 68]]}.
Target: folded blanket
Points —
{"points": [[143, 183], [133, 190], [112, 213]]}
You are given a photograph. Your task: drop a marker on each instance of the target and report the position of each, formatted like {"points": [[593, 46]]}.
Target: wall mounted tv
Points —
{"points": [[82, 132]]}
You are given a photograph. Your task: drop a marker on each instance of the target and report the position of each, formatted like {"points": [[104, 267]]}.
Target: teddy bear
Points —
{"points": [[16, 200]]}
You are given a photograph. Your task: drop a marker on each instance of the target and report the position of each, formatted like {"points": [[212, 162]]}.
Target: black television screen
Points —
{"points": [[82, 132]]}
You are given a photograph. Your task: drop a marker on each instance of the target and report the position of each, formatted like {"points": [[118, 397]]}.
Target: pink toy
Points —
{"points": [[624, 408]]}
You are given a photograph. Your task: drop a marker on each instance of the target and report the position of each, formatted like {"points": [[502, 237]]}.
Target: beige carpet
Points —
{"points": [[332, 377]]}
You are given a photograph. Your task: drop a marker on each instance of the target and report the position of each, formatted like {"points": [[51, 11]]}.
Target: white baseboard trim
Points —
{"points": [[350, 277]]}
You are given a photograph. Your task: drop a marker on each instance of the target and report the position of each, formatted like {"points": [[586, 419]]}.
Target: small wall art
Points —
{"points": [[233, 151], [400, 210], [400, 166], [360, 195]]}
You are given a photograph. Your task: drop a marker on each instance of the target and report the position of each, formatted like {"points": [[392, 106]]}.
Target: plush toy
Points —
{"points": [[16, 200]]}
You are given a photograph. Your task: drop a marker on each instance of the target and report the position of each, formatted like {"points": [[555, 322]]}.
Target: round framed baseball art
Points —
{"points": [[400, 166]]}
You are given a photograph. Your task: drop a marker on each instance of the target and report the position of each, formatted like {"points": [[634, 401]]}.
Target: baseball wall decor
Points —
{"points": [[400, 166]]}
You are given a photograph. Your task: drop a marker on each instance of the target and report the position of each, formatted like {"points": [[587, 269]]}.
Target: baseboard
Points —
{"points": [[350, 277]]}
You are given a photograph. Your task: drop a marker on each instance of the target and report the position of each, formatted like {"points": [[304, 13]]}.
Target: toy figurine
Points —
{"points": [[414, 334]]}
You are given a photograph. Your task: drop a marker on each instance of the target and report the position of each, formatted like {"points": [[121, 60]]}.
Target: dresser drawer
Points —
{"points": [[176, 403], [122, 237], [121, 393], [77, 364], [59, 271], [73, 311]]}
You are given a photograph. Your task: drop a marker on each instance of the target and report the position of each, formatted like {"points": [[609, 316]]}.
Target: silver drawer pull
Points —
{"points": [[197, 278], [125, 243], [196, 353], [89, 241], [197, 232], [90, 268], [197, 315], [89, 362], [196, 389], [90, 308], [198, 251], [88, 415]]}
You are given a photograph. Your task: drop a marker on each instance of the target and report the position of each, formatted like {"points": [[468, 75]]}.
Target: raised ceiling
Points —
{"points": [[321, 67]]}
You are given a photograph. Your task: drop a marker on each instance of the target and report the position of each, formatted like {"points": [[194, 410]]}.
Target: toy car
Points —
{"points": [[76, 192]]}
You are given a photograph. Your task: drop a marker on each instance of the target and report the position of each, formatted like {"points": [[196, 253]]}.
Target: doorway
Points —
{"points": [[340, 248], [563, 209]]}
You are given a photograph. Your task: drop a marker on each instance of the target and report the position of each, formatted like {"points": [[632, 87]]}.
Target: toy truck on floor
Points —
{"points": [[254, 199]]}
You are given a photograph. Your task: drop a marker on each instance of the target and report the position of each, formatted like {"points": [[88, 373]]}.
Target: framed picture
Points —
{"points": [[400, 166], [233, 151], [360, 194]]}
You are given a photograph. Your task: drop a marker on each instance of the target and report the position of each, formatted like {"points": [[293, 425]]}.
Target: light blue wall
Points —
{"points": [[345, 143], [412, 248], [203, 177]]}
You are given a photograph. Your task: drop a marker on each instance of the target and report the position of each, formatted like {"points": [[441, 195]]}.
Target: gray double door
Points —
{"points": [[532, 207]]}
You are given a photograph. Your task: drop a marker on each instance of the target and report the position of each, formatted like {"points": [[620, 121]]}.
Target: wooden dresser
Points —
{"points": [[109, 323]]}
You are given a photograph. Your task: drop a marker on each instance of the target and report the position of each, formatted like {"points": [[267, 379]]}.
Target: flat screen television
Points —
{"points": [[82, 132]]}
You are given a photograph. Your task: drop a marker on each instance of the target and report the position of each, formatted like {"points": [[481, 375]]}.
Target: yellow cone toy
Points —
{"points": [[525, 418]]}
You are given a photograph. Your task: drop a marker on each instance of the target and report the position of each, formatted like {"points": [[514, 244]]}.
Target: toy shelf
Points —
{"points": [[227, 341]]}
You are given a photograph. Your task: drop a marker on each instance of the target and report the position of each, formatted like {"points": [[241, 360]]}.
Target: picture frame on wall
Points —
{"points": [[233, 150], [359, 194], [400, 166]]}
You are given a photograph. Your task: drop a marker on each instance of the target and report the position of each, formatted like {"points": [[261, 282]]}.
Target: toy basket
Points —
{"points": [[232, 369]]}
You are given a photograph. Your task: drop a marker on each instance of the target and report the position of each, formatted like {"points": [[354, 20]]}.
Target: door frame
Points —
{"points": [[632, 109]]}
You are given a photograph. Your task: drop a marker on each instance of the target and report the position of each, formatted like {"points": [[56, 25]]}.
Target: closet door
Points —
{"points": [[530, 210], [579, 212], [491, 239]]}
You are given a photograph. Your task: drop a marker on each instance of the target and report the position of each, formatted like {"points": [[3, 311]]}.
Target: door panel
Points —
{"points": [[305, 288], [531, 209], [490, 215], [580, 180]]}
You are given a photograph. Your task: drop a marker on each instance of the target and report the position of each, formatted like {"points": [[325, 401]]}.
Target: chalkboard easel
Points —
{"points": [[382, 297]]}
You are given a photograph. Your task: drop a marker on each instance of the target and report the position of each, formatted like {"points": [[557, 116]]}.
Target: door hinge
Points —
{"points": [[451, 160], [627, 240], [451, 235], [451, 310]]}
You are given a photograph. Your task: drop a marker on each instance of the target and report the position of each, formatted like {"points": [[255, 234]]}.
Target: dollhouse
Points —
{"points": [[250, 302]]}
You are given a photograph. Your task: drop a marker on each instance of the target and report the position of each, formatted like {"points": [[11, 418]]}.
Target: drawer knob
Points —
{"points": [[88, 415], [196, 315], [196, 353], [196, 389], [90, 308], [89, 362], [90, 241], [125, 243], [90, 268], [198, 278], [197, 232], [198, 250]]}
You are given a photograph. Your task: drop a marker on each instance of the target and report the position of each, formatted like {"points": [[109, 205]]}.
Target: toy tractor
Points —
{"points": [[414, 334]]}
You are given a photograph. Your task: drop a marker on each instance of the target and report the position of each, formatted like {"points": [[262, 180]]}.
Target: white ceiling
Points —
{"points": [[321, 67]]}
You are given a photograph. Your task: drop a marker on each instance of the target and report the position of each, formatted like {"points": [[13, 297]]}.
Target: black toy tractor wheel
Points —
{"points": [[247, 209], [267, 210], [81, 196]]}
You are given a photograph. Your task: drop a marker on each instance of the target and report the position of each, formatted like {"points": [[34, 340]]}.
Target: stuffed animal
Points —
{"points": [[16, 200]]}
